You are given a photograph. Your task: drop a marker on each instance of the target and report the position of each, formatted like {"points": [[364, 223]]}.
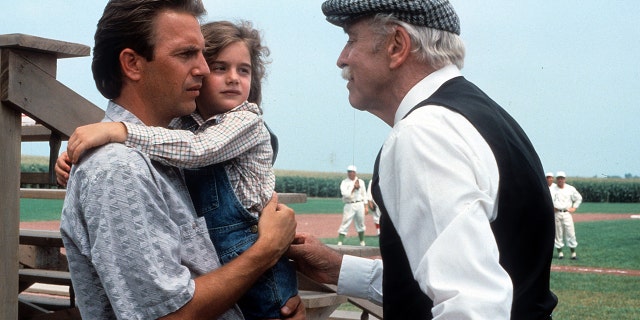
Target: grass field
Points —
{"points": [[602, 244]]}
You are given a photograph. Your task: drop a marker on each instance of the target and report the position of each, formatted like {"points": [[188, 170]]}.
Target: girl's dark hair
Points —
{"points": [[129, 24]]}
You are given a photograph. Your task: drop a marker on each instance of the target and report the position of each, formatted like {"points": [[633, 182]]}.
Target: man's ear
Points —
{"points": [[399, 47], [131, 64]]}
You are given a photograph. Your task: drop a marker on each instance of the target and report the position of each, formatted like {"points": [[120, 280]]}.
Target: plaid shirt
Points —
{"points": [[238, 138]]}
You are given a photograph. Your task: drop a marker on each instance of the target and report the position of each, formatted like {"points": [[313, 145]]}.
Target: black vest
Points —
{"points": [[524, 228]]}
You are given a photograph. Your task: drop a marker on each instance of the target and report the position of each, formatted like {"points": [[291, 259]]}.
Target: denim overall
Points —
{"points": [[233, 229]]}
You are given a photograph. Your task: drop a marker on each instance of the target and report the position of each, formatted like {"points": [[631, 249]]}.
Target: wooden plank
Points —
{"points": [[45, 276], [51, 289], [287, 198], [35, 133], [316, 299], [35, 178], [59, 49], [43, 238], [10, 123], [320, 305], [38, 257], [46, 302], [30, 90], [33, 193], [358, 251]]}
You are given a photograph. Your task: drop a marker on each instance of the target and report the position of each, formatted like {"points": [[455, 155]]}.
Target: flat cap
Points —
{"points": [[436, 14]]}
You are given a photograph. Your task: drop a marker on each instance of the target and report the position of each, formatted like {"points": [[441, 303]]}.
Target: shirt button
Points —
{"points": [[254, 228]]}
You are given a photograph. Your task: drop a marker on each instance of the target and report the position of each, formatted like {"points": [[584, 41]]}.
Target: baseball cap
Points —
{"points": [[549, 174], [561, 174], [352, 168]]}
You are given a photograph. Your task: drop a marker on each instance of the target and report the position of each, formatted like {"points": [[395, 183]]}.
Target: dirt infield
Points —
{"points": [[326, 226]]}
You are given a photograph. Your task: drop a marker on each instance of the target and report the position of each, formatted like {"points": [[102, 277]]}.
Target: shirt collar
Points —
{"points": [[425, 88], [117, 113]]}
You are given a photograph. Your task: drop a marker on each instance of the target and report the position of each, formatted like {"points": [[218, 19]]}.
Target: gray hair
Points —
{"points": [[436, 47]]}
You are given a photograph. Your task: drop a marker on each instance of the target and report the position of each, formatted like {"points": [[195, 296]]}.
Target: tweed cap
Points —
{"points": [[436, 14]]}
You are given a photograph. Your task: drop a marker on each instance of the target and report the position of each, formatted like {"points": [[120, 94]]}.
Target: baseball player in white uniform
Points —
{"points": [[354, 196], [566, 200]]}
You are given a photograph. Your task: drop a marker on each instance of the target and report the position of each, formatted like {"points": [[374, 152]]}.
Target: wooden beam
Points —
{"points": [[35, 133], [30, 90], [10, 123], [287, 198], [32, 193], [35, 178], [38, 257], [59, 49], [42, 238]]}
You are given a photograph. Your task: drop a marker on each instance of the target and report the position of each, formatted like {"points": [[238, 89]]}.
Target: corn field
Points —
{"points": [[607, 190]]}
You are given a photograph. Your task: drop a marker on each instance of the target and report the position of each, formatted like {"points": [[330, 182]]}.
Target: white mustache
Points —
{"points": [[346, 73]]}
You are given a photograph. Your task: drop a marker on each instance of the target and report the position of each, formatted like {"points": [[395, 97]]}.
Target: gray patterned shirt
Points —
{"points": [[133, 241]]}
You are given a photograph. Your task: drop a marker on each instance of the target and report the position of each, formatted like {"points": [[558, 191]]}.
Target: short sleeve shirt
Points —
{"points": [[133, 241]]}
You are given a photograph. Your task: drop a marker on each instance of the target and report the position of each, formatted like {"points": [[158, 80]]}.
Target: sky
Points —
{"points": [[567, 71]]}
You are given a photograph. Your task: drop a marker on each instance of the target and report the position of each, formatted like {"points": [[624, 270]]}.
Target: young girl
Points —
{"points": [[229, 144]]}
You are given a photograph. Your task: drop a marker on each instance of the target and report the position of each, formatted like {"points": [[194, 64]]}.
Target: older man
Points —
{"points": [[466, 226]]}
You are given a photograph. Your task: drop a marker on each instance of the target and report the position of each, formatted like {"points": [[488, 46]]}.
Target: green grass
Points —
{"points": [[318, 205], [604, 207], [606, 244], [595, 296], [40, 209]]}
